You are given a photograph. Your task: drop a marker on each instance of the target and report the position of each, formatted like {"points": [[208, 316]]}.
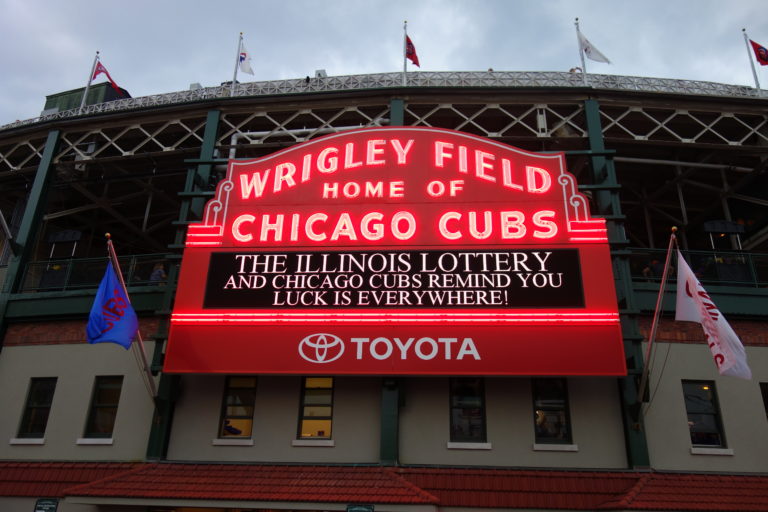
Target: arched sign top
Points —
{"points": [[395, 187]]}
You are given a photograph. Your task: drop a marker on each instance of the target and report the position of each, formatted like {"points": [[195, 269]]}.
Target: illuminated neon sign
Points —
{"points": [[406, 234]]}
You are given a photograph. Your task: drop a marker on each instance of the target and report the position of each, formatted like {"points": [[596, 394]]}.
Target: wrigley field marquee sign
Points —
{"points": [[397, 251]]}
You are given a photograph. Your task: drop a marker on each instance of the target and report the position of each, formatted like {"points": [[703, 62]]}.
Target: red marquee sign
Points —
{"points": [[397, 251]]}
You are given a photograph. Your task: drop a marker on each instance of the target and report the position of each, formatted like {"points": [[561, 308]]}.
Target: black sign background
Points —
{"points": [[453, 279]]}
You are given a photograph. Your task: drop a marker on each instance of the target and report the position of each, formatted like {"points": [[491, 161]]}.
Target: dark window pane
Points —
{"points": [[41, 392], [39, 399], [318, 396], [242, 382], [467, 414], [106, 396], [764, 391]]}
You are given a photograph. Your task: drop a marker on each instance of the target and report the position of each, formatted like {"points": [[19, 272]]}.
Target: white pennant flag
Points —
{"points": [[590, 51], [245, 60], [695, 305]]}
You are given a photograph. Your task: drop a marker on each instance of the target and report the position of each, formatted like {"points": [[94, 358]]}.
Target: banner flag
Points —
{"points": [[761, 53], [590, 51], [245, 59], [101, 69], [695, 305], [112, 317], [410, 51]]}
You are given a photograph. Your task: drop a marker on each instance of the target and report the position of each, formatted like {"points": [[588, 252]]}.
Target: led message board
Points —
{"points": [[397, 251]]}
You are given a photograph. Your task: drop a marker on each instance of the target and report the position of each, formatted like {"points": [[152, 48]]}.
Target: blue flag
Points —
{"points": [[112, 317]]}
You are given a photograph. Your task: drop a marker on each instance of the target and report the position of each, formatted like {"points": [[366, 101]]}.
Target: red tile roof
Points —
{"points": [[521, 489], [443, 487], [335, 484], [673, 491], [49, 479]]}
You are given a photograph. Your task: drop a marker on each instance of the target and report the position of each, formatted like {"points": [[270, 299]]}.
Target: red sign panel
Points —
{"points": [[397, 251]]}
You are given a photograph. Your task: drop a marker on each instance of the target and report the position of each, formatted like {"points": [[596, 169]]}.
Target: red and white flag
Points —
{"points": [[410, 52], [101, 69], [761, 53], [695, 305]]}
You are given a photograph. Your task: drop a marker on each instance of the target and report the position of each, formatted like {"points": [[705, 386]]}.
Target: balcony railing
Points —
{"points": [[727, 268], [83, 273]]}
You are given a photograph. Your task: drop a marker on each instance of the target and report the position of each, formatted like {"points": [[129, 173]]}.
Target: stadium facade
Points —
{"points": [[356, 295]]}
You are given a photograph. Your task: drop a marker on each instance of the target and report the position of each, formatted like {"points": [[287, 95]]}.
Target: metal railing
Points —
{"points": [[82, 273], [728, 268], [414, 79]]}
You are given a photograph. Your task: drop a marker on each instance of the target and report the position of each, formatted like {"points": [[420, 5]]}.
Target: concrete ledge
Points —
{"points": [[546, 447], [711, 451], [232, 442], [27, 441], [314, 442], [469, 446], [94, 441]]}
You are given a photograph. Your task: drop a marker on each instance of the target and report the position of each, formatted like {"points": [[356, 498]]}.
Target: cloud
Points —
{"points": [[155, 47]]}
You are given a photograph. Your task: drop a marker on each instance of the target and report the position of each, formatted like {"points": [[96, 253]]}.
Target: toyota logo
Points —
{"points": [[321, 348]]}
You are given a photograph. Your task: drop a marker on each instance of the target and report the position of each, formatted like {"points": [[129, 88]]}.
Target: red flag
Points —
{"points": [[410, 52], [761, 54], [101, 69]]}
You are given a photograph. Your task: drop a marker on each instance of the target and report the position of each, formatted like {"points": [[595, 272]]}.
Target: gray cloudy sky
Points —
{"points": [[159, 46]]}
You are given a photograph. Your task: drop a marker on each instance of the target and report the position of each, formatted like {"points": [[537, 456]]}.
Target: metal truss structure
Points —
{"points": [[421, 79], [685, 152]]}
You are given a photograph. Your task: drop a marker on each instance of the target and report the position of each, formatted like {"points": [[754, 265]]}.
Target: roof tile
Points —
{"points": [[446, 487]]}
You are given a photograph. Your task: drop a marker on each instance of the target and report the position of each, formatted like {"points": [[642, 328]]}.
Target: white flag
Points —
{"points": [[695, 305], [590, 51], [245, 60]]}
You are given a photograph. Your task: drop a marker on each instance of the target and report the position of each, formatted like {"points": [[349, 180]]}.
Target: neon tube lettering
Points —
{"points": [[254, 186], [443, 225], [284, 173], [402, 152], [328, 161], [349, 156], [308, 227], [236, 233], [373, 150], [544, 219]]}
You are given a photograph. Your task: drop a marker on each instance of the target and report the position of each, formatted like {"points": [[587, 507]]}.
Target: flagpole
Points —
{"points": [[750, 51], [581, 54], [237, 64], [88, 84], [656, 314], [405, 51], [142, 352]]}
